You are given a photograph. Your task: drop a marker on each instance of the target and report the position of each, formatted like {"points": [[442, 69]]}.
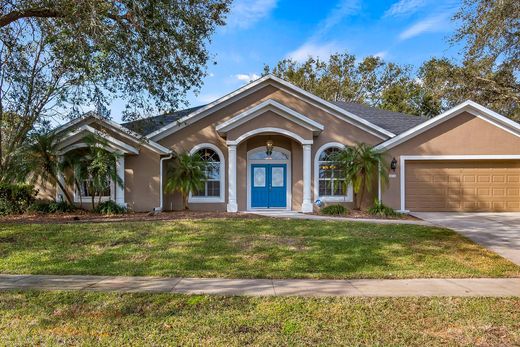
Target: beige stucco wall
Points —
{"points": [[464, 134], [203, 131], [141, 176], [272, 120]]}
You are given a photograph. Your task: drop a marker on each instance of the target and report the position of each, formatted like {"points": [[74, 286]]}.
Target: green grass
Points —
{"points": [[246, 248], [81, 318]]}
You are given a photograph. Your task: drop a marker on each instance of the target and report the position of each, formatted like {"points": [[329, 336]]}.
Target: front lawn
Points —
{"points": [[246, 248], [81, 318]]}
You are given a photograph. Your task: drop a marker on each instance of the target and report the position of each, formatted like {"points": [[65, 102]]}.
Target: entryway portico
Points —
{"points": [[247, 125]]}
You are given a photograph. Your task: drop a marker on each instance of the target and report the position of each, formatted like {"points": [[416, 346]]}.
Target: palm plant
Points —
{"points": [[187, 174], [101, 167], [41, 155], [361, 166], [76, 163]]}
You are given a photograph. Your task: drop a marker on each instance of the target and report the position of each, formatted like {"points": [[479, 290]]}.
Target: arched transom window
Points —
{"points": [[212, 186]]}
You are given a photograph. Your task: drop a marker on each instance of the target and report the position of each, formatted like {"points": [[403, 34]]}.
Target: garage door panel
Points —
{"points": [[492, 185]]}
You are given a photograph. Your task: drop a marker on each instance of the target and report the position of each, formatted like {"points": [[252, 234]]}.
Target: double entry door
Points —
{"points": [[268, 185]]}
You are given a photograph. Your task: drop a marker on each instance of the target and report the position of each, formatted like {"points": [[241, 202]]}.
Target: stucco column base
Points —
{"points": [[232, 207], [307, 207]]}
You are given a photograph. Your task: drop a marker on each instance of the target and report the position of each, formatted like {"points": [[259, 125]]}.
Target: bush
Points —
{"points": [[110, 207], [380, 209], [52, 207], [16, 198], [334, 210]]}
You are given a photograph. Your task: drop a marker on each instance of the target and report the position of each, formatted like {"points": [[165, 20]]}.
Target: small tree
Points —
{"points": [[76, 163], [41, 156], [101, 167], [187, 174], [361, 165]]}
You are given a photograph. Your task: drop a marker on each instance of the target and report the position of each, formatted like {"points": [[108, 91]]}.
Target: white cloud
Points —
{"points": [[381, 54], [207, 98], [404, 8], [246, 13], [247, 77], [322, 51], [342, 9], [436, 23], [313, 47]]}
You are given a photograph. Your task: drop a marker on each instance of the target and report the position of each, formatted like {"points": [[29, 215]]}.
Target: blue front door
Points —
{"points": [[268, 185]]}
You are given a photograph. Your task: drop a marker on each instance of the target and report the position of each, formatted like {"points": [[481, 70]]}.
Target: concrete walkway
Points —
{"points": [[499, 232], [298, 215], [496, 287]]}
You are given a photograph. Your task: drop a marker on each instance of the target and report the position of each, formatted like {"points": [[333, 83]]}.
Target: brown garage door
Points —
{"points": [[487, 185]]}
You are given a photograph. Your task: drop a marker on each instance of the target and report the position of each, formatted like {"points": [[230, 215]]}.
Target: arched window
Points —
{"points": [[213, 190], [330, 180]]}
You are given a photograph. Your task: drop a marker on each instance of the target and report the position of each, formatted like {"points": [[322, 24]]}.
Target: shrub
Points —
{"points": [[380, 209], [110, 207], [52, 207], [334, 210], [16, 198]]}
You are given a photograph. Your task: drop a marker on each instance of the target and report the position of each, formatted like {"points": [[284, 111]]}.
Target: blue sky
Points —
{"points": [[264, 31]]}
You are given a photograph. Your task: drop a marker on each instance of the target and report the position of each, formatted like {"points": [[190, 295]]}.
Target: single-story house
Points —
{"points": [[269, 142]]}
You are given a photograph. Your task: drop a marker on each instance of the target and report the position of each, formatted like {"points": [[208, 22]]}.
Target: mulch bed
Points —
{"points": [[87, 217], [365, 215]]}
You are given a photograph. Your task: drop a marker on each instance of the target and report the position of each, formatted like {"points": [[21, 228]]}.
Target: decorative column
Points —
{"points": [[307, 201], [60, 195], [232, 178], [120, 189]]}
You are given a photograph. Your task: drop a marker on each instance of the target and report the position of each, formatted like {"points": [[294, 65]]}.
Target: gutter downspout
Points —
{"points": [[161, 196]]}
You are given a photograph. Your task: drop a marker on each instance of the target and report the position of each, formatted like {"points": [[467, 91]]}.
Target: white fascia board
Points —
{"points": [[468, 106], [85, 129], [203, 111], [363, 122], [270, 105], [119, 129], [277, 82]]}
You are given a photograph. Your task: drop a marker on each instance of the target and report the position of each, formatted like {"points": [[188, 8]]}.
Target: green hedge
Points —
{"points": [[16, 198], [110, 207], [51, 207], [334, 210]]}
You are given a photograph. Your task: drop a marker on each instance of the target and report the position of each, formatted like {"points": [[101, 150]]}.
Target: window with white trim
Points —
{"points": [[331, 181], [213, 175], [85, 189]]}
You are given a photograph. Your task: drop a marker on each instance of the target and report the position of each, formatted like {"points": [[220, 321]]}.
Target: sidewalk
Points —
{"points": [[495, 287]]}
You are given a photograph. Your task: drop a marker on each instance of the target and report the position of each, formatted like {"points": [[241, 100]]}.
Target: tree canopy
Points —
{"points": [[371, 81], [59, 55]]}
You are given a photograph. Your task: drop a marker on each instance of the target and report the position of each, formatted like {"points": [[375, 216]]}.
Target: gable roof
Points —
{"points": [[283, 85], [79, 133], [92, 117], [468, 106], [395, 122], [276, 107]]}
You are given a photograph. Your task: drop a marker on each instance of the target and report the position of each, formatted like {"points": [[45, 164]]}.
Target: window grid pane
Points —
{"points": [[331, 180], [212, 174]]}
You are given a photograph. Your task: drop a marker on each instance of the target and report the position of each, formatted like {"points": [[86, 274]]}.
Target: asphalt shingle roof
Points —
{"points": [[394, 122], [148, 125]]}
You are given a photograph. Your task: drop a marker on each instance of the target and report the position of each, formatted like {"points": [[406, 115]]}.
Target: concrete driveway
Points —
{"points": [[499, 232]]}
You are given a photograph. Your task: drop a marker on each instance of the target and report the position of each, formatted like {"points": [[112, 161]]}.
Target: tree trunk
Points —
{"points": [[79, 192], [361, 194], [67, 197], [185, 201]]}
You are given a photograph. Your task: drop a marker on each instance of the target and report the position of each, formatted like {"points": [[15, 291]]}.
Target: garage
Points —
{"points": [[462, 185]]}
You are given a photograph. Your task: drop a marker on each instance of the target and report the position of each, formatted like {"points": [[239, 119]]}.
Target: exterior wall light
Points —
{"points": [[393, 165], [269, 148]]}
